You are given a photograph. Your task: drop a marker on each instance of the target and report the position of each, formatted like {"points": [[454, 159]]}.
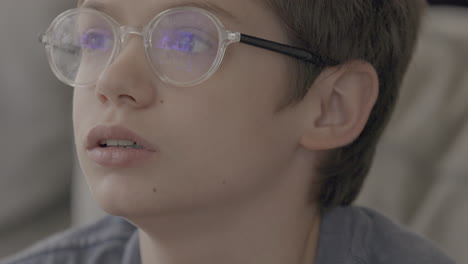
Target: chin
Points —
{"points": [[114, 201], [131, 197], [117, 194]]}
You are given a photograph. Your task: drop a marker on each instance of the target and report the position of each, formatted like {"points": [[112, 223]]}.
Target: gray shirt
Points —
{"points": [[348, 235]]}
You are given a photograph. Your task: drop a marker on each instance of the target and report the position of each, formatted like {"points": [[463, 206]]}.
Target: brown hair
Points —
{"points": [[381, 32]]}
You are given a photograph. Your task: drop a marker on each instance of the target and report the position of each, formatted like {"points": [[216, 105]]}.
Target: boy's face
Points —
{"points": [[217, 143]]}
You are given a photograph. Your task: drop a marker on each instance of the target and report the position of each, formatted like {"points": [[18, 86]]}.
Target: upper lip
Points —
{"points": [[99, 133]]}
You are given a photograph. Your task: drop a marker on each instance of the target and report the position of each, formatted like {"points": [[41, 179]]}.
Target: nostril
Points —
{"points": [[102, 98], [126, 97]]}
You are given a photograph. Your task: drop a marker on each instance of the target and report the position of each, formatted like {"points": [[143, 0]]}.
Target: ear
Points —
{"points": [[338, 105]]}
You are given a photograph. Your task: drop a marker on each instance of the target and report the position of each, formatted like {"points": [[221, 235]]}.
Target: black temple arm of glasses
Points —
{"points": [[298, 53]]}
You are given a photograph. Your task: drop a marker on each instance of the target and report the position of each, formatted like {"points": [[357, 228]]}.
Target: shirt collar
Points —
{"points": [[335, 243], [131, 254]]}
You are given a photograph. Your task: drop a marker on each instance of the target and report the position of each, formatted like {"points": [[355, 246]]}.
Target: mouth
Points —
{"points": [[116, 137], [118, 147]]}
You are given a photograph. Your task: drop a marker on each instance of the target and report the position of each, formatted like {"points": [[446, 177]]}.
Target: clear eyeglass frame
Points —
{"points": [[122, 31]]}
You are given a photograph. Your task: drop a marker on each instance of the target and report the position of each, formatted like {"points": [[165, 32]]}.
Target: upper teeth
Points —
{"points": [[119, 143]]}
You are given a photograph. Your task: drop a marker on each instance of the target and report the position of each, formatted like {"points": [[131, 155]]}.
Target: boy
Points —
{"points": [[224, 152]]}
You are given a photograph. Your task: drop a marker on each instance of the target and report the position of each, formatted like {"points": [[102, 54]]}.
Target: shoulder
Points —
{"points": [[101, 242], [377, 239]]}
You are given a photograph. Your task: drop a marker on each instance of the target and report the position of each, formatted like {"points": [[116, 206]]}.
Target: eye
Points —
{"points": [[199, 45], [96, 39], [187, 41]]}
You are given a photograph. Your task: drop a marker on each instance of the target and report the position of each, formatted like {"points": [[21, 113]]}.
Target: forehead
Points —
{"points": [[226, 10], [252, 17]]}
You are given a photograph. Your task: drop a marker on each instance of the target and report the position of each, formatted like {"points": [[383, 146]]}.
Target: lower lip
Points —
{"points": [[119, 157]]}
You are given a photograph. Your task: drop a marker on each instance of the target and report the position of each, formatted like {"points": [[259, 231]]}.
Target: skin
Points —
{"points": [[233, 178]]}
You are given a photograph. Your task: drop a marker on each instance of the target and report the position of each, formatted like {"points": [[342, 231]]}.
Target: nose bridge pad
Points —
{"points": [[126, 30]]}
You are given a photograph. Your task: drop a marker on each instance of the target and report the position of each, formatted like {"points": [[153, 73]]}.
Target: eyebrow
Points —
{"points": [[99, 6], [208, 6]]}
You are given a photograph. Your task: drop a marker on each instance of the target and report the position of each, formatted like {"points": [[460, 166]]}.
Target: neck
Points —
{"points": [[249, 237], [276, 227]]}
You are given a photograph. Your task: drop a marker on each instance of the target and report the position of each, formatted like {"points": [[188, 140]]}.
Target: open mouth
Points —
{"points": [[127, 144], [117, 138], [118, 147]]}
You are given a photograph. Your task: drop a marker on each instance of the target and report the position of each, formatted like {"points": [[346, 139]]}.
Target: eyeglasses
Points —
{"points": [[184, 46]]}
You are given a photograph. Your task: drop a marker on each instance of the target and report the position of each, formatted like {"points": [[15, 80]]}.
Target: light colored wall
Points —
{"points": [[35, 128]]}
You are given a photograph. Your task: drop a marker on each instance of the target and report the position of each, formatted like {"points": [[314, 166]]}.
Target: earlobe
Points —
{"points": [[346, 96]]}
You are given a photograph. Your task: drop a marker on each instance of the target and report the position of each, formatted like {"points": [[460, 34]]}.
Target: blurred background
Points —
{"points": [[419, 177], [35, 131]]}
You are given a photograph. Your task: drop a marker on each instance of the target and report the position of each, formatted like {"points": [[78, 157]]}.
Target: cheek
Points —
{"points": [[85, 117], [82, 111], [225, 161], [228, 138], [256, 76], [77, 113]]}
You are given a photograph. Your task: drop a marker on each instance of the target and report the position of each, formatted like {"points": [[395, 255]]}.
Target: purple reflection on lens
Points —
{"points": [[96, 40], [175, 40]]}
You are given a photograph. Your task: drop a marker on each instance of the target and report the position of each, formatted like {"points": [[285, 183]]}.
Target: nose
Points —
{"points": [[128, 80]]}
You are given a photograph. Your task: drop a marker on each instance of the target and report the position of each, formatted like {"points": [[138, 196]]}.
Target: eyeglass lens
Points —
{"points": [[183, 46]]}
